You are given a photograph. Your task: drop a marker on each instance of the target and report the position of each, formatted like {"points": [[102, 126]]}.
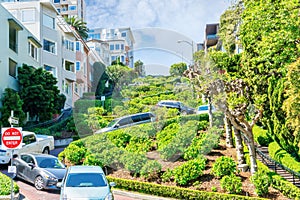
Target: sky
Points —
{"points": [[158, 26]]}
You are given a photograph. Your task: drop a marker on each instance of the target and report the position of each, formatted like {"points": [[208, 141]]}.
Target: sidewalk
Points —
{"points": [[136, 195]]}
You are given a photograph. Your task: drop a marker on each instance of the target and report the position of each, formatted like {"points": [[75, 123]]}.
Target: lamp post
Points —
{"points": [[192, 45]]}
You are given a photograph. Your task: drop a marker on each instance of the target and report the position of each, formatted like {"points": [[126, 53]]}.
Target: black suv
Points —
{"points": [[178, 105]]}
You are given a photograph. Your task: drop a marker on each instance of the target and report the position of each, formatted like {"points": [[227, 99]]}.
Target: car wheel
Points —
{"points": [[46, 151], [39, 183], [184, 113]]}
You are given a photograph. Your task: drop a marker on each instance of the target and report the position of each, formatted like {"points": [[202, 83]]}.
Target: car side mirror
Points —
{"points": [[112, 184], [59, 184], [31, 165]]}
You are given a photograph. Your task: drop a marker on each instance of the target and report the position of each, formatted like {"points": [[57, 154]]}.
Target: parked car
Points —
{"points": [[129, 120], [32, 143], [203, 109], [43, 170], [183, 109], [85, 182]]}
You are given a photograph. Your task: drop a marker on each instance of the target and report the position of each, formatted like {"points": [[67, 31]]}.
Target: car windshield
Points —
{"points": [[112, 123], [85, 180], [45, 162]]}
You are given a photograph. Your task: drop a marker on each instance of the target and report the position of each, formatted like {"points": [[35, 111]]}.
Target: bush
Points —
{"points": [[5, 185], [74, 153], [92, 160], [188, 171], [151, 169], [261, 181], [134, 162], [174, 192], [261, 136], [283, 157], [120, 137], [231, 184], [223, 166]]}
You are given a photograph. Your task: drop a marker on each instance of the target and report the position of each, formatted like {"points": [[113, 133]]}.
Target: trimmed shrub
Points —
{"points": [[223, 166], [120, 137], [174, 192], [5, 185], [261, 136], [231, 184], [283, 157], [261, 181], [134, 162], [151, 169]]}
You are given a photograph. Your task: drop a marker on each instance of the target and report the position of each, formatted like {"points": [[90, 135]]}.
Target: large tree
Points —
{"points": [[177, 69], [11, 102], [270, 39], [39, 93]]}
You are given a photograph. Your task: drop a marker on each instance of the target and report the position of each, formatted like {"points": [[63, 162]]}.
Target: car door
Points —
{"points": [[29, 168], [30, 144]]}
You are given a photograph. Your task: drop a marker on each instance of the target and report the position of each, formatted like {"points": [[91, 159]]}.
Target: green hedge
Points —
{"points": [[5, 185], [261, 136], [286, 188], [281, 156], [173, 192]]}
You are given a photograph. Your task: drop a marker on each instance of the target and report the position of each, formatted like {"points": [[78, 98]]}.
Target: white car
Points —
{"points": [[85, 182], [204, 109], [32, 143]]}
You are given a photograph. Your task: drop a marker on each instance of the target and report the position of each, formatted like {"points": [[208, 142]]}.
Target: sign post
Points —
{"points": [[12, 139]]}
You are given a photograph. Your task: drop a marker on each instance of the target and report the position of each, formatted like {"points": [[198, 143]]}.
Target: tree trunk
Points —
{"points": [[228, 129], [210, 116], [239, 147], [252, 153]]}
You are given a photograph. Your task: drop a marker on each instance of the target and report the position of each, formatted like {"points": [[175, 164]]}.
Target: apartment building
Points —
{"points": [[68, 8], [120, 43], [211, 36], [18, 46], [58, 54]]}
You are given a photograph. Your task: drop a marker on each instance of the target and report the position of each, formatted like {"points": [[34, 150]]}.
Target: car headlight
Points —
{"points": [[109, 196], [50, 177]]}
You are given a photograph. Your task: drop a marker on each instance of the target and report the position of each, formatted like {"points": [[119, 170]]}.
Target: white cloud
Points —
{"points": [[185, 16], [158, 24]]}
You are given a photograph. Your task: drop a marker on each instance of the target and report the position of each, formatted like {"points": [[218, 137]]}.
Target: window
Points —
{"points": [[117, 46], [58, 10], [122, 46], [111, 47], [28, 15], [48, 21], [56, 1], [78, 46], [122, 59], [113, 58], [73, 7], [77, 66], [32, 50], [76, 88], [66, 86], [69, 45], [12, 68], [69, 66], [123, 34], [49, 46], [13, 39], [50, 69]]}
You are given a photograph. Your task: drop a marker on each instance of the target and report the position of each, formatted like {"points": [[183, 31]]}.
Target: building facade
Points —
{"points": [[120, 41], [18, 46], [68, 8]]}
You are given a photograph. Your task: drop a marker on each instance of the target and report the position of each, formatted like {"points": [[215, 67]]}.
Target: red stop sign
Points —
{"points": [[11, 137]]}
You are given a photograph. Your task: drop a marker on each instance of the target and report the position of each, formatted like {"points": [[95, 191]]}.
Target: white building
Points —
{"points": [[18, 46], [58, 52], [120, 43], [68, 8]]}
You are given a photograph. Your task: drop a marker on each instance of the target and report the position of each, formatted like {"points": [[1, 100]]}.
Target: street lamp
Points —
{"points": [[191, 44]]}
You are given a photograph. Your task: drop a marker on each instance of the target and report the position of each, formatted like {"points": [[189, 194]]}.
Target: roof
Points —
{"points": [[82, 169]]}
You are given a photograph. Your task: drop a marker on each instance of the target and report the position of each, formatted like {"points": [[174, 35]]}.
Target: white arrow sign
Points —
{"points": [[13, 120]]}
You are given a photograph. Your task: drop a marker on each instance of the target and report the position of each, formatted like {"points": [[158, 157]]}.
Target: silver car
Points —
{"points": [[85, 182], [43, 170]]}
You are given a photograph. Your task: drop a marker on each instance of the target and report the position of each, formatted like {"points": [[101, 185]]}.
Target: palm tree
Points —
{"points": [[79, 25]]}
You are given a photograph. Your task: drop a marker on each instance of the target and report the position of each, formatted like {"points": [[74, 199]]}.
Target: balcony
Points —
{"points": [[80, 77], [71, 76]]}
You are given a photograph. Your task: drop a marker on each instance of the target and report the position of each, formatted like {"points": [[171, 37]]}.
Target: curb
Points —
{"points": [[138, 195], [7, 197]]}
